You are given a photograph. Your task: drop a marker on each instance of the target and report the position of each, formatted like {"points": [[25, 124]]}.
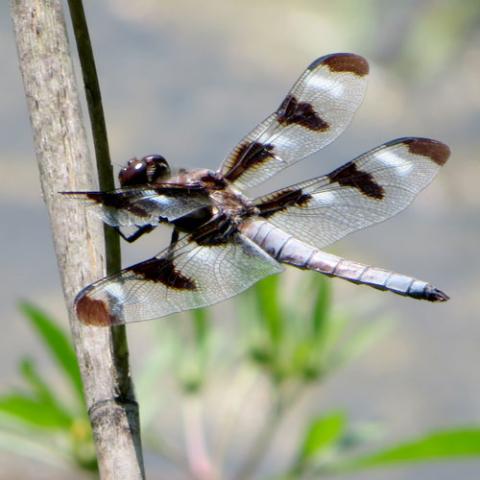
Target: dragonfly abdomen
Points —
{"points": [[287, 249]]}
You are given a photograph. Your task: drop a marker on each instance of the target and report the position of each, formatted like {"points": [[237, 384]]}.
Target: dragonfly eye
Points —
{"points": [[135, 173], [157, 167]]}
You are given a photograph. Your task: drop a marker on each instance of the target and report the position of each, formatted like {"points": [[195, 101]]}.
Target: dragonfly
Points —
{"points": [[223, 241]]}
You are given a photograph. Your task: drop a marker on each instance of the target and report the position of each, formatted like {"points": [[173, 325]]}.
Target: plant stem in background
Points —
{"points": [[282, 403], [198, 459], [97, 121]]}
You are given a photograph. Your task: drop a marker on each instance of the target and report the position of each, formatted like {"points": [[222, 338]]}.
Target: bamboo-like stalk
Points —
{"points": [[97, 120], [64, 162]]}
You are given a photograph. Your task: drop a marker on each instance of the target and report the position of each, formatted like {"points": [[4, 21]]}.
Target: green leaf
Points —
{"points": [[34, 412], [328, 341], [441, 445], [321, 307], [41, 389], [201, 326], [58, 344], [360, 342], [268, 304], [201, 332], [321, 433], [34, 379]]}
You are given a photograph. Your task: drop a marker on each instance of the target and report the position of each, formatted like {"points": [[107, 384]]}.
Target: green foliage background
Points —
{"points": [[291, 349]]}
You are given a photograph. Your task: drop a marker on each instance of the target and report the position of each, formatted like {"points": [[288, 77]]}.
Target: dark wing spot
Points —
{"points": [[349, 176], [302, 113], [163, 270], [93, 312], [281, 200], [438, 152], [246, 156], [107, 199], [343, 62], [118, 200]]}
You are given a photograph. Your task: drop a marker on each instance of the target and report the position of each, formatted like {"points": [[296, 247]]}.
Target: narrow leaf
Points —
{"points": [[201, 326], [34, 379], [321, 307], [360, 342], [333, 331], [448, 444], [34, 412], [41, 389], [58, 344], [268, 304], [321, 433]]}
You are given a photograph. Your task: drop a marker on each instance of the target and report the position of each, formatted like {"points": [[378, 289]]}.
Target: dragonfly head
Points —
{"points": [[147, 170]]}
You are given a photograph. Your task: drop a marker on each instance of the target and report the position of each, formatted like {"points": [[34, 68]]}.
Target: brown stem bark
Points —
{"points": [[64, 162]]}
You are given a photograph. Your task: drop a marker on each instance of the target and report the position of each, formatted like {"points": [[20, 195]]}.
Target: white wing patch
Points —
{"points": [[373, 187], [317, 109]]}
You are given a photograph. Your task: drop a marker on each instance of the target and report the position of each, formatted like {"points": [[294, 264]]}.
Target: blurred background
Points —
{"points": [[188, 79]]}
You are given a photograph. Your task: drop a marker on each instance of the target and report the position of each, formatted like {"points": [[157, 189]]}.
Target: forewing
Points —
{"points": [[128, 207], [187, 276], [367, 190], [316, 110]]}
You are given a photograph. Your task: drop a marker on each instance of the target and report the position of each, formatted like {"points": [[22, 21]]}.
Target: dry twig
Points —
{"points": [[62, 152]]}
